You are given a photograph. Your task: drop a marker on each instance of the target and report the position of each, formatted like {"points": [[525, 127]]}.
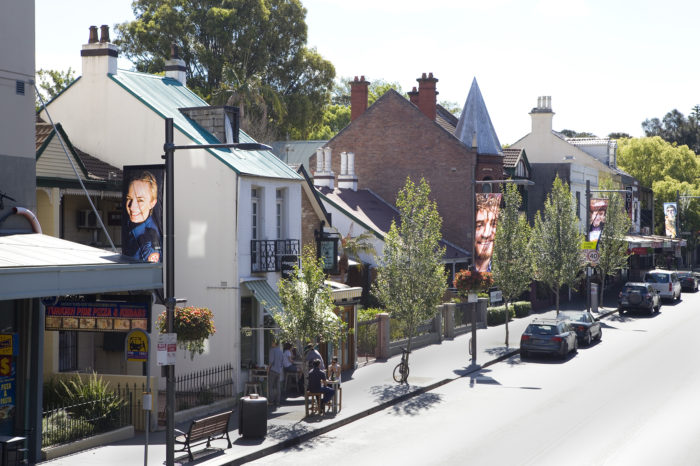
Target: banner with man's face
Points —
{"points": [[670, 211], [597, 208], [487, 210], [142, 219]]}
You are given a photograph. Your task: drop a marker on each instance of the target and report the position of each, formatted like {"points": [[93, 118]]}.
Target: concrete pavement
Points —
{"points": [[365, 391]]}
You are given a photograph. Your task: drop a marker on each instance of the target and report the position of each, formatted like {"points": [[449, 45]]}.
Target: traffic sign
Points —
{"points": [[137, 346]]}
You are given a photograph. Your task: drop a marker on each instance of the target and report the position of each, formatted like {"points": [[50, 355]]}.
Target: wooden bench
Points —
{"points": [[208, 428]]}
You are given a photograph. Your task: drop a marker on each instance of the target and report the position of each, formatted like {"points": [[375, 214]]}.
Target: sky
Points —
{"points": [[607, 64]]}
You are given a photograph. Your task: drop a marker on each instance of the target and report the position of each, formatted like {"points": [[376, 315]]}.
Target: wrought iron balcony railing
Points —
{"points": [[273, 255]]}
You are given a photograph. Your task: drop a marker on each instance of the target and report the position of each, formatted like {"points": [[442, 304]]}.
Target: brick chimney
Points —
{"points": [[427, 95], [358, 97], [99, 56], [175, 67], [413, 96]]}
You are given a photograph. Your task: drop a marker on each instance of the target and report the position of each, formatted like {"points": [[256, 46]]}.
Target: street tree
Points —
{"points": [[675, 128], [308, 310], [556, 241], [512, 257], [411, 279], [261, 42], [612, 246]]}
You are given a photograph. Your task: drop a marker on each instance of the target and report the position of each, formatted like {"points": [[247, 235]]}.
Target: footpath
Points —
{"points": [[366, 390]]}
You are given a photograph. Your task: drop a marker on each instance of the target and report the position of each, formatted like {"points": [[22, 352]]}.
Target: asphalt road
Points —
{"points": [[630, 400]]}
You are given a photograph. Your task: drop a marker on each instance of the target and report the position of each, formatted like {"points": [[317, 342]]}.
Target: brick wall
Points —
{"points": [[309, 221]]}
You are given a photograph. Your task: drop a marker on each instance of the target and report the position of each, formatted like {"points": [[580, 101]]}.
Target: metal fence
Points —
{"points": [[367, 339], [67, 424], [204, 387]]}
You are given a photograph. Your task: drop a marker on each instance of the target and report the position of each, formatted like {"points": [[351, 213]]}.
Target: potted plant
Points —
{"points": [[470, 282], [192, 325]]}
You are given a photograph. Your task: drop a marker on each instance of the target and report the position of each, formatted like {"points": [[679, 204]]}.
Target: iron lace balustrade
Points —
{"points": [[268, 255]]}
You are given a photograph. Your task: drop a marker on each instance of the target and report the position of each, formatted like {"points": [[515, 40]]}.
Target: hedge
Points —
{"points": [[496, 315]]}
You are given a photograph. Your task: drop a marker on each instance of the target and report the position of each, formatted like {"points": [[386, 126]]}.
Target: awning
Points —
{"points": [[265, 295], [36, 265]]}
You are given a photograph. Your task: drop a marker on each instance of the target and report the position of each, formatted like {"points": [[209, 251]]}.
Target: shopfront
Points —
{"points": [[653, 252]]}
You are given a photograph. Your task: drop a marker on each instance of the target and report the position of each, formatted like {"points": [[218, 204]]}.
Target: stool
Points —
{"points": [[294, 377], [312, 403], [252, 387]]}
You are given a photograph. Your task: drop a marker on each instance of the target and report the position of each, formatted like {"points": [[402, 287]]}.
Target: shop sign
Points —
{"points": [[8, 356], [137, 346], [167, 349], [640, 251], [98, 316]]}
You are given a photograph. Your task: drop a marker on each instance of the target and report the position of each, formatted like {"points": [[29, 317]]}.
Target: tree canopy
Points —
{"points": [[257, 47], [51, 83], [674, 127]]}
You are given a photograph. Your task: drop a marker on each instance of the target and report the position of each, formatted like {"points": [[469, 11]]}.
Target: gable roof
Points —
{"points": [[165, 96], [296, 153], [444, 118], [475, 122]]}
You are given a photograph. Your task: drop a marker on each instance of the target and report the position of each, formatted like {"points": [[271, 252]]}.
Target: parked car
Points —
{"points": [[585, 325], [637, 295], [689, 281], [665, 282], [548, 336]]}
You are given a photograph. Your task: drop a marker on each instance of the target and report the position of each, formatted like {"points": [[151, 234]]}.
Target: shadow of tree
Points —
{"points": [[410, 406], [285, 431]]}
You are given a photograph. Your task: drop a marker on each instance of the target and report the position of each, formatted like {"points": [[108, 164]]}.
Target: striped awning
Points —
{"points": [[265, 295]]}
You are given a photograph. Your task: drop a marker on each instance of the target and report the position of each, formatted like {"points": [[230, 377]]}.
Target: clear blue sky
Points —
{"points": [[607, 64]]}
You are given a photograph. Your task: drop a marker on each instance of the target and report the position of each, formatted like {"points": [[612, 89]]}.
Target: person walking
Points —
{"points": [[276, 360]]}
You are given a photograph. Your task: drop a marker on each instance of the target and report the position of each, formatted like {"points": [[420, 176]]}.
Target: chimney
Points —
{"points": [[427, 95], [175, 67], [99, 57], [542, 116], [347, 178], [358, 97], [324, 176], [413, 96]]}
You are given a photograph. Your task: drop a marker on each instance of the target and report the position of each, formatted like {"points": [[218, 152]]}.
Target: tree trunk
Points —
{"points": [[507, 319], [556, 294]]}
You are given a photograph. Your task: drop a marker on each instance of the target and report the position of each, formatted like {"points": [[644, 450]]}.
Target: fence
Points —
{"points": [[67, 424], [367, 340], [204, 387]]}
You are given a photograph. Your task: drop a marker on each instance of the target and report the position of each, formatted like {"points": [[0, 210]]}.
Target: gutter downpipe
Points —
{"points": [[26, 213]]}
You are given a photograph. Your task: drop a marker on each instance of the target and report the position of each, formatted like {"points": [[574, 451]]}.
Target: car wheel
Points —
{"points": [[564, 351], [657, 308], [523, 355], [679, 296], [621, 311], [575, 350], [600, 335], [588, 339]]}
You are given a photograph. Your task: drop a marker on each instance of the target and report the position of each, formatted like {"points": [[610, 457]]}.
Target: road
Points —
{"points": [[630, 400]]}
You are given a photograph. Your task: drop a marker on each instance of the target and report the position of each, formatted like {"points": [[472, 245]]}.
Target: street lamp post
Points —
{"points": [[170, 300]]}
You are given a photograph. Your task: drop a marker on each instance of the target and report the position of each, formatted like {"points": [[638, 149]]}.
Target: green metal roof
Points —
{"points": [[166, 95]]}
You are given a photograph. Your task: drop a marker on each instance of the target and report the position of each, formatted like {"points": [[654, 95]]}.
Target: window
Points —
{"points": [[279, 214], [67, 351], [254, 208]]}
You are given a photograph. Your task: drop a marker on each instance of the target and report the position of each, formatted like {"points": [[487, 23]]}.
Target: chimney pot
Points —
{"points": [[104, 33], [427, 95], [343, 163], [423, 76], [358, 97], [174, 51], [93, 35]]}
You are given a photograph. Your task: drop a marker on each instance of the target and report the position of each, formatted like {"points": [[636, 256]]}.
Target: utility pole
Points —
{"points": [[587, 229]]}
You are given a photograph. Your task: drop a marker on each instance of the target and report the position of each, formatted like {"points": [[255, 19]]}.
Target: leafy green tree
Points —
{"points": [[512, 257], [335, 118], [308, 314], [51, 83], [619, 136], [556, 241], [612, 245], [261, 42], [676, 128], [569, 133], [411, 279]]}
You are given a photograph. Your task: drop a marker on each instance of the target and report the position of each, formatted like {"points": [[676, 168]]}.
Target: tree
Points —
{"points": [[676, 128], [612, 245], [261, 42], [51, 83], [569, 133], [619, 136], [556, 241], [512, 257], [411, 279], [308, 310]]}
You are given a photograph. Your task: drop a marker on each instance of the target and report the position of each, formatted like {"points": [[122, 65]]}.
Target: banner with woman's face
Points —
{"points": [[670, 211], [487, 210], [597, 208], [142, 219]]}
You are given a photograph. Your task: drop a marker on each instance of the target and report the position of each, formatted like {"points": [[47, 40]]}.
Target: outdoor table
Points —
{"points": [[335, 385]]}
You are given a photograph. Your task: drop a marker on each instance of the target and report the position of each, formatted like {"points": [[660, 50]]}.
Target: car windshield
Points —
{"points": [[573, 316], [656, 278], [629, 289], [684, 275], [541, 329]]}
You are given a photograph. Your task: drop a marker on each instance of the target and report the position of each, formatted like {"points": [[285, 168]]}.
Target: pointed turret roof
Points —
{"points": [[475, 123]]}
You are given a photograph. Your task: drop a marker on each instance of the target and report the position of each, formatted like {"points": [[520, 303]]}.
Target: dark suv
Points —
{"points": [[638, 295]]}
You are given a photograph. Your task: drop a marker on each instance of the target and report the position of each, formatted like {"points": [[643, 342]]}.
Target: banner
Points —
{"points": [[142, 226], [98, 316], [597, 209], [487, 210], [670, 210]]}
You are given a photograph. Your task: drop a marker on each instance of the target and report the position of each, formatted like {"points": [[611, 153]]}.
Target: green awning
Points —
{"points": [[265, 295]]}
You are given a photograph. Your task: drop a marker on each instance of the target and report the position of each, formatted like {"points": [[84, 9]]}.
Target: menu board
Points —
{"points": [[8, 378], [98, 316]]}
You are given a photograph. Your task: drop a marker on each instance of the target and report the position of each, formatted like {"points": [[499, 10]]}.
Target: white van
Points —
{"points": [[665, 282]]}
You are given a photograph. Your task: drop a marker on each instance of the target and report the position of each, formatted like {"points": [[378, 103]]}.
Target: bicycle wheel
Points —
{"points": [[398, 373]]}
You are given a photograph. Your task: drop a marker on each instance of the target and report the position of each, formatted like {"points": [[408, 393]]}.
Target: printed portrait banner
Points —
{"points": [[142, 219], [597, 208], [487, 210], [670, 211]]}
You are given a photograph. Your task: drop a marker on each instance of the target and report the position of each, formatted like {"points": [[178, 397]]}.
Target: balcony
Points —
{"points": [[273, 255]]}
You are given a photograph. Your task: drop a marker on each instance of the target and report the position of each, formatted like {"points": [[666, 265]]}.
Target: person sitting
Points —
{"points": [[334, 369], [316, 379]]}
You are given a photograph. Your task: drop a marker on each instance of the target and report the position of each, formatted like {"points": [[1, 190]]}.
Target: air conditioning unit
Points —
{"points": [[88, 219]]}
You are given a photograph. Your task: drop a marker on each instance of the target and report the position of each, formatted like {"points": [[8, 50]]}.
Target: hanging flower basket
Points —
{"points": [[192, 325], [470, 282]]}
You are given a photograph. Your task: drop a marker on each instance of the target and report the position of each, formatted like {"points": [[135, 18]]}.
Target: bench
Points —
{"points": [[205, 429]]}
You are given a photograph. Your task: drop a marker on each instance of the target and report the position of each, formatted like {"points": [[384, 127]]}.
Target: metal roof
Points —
{"points": [[474, 122], [165, 96], [36, 265]]}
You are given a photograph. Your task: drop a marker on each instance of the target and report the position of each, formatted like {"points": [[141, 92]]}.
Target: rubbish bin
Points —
{"points": [[594, 297], [252, 416]]}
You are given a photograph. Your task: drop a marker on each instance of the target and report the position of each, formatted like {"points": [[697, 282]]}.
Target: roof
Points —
{"points": [[36, 265], [444, 118], [373, 213], [474, 122], [296, 153], [510, 157], [165, 96]]}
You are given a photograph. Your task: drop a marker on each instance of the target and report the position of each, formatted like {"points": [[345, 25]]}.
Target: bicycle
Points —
{"points": [[401, 369]]}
